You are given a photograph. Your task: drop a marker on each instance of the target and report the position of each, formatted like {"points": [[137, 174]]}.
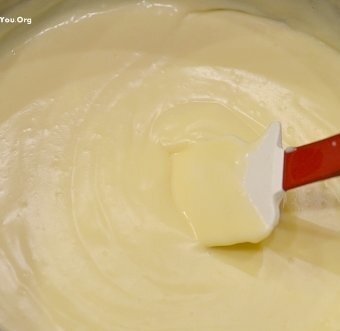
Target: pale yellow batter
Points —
{"points": [[95, 99], [208, 186]]}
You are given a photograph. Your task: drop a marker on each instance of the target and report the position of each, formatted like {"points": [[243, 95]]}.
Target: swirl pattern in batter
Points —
{"points": [[96, 101]]}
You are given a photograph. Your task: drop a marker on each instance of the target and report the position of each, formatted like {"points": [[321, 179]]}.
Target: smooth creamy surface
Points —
{"points": [[207, 182], [92, 107]]}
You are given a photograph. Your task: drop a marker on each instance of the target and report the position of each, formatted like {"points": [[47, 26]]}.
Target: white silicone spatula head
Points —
{"points": [[264, 175], [271, 170]]}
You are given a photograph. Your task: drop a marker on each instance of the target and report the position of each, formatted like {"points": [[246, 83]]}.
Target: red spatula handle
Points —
{"points": [[311, 163]]}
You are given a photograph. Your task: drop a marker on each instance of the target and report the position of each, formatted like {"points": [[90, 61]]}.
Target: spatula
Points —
{"points": [[271, 170]]}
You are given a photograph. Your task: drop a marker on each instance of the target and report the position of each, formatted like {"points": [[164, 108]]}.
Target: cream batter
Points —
{"points": [[94, 103], [208, 185]]}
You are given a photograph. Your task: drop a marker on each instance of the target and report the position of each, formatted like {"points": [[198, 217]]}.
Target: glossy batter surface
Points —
{"points": [[208, 186], [93, 105]]}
